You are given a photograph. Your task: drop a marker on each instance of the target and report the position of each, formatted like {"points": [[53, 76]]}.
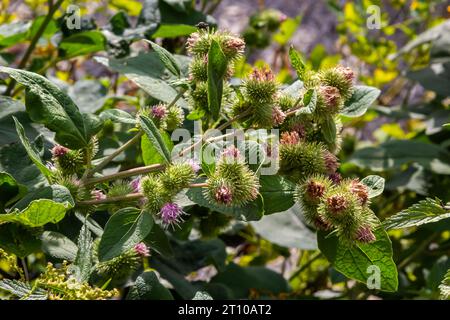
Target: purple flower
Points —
{"points": [[159, 111], [278, 116], [171, 214], [59, 151], [224, 195], [365, 234], [231, 152], [98, 194], [194, 165], [335, 177], [136, 184], [142, 250]]}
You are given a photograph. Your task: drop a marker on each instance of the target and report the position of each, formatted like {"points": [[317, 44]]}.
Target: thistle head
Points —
{"points": [[331, 97], [174, 118], [364, 234], [230, 153], [198, 69], [291, 137], [59, 151], [331, 162], [278, 116], [142, 249], [260, 86], [337, 203], [171, 214], [223, 195], [152, 188], [346, 73], [199, 42], [176, 177], [98, 194], [340, 78], [158, 111], [135, 184], [360, 190]]}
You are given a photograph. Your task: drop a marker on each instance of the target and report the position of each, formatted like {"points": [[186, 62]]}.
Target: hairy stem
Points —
{"points": [[125, 174], [118, 151], [51, 11]]}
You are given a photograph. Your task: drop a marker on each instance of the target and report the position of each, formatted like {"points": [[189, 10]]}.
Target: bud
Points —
{"points": [[306, 158], [364, 234], [120, 267], [331, 162], [152, 188], [98, 194], [176, 177], [142, 250], [340, 78], [260, 86], [337, 203], [171, 214], [278, 116], [360, 190], [68, 161], [290, 137], [198, 69], [331, 98], [199, 42], [174, 118], [347, 73], [135, 184], [59, 151]]}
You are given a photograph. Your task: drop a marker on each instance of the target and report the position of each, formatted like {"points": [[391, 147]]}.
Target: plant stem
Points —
{"points": [[303, 267], [51, 11], [129, 197], [124, 174], [25, 269], [118, 151]]}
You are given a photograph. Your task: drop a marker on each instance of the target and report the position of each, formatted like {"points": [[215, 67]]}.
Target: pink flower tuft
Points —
{"points": [[365, 234], [142, 250], [59, 151], [171, 214], [331, 95], [159, 111], [136, 184], [223, 195], [331, 162], [98, 194], [194, 165], [278, 116]]}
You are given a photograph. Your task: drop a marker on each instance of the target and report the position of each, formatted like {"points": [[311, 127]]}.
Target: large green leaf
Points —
{"points": [[217, 68], [82, 43], [10, 190], [54, 192], [38, 213], [48, 105], [277, 193], [13, 33], [166, 58], [117, 115], [286, 229], [58, 246], [150, 154], [396, 153], [22, 290], [152, 80], [155, 137], [126, 228], [32, 153], [361, 99], [423, 212], [356, 261], [148, 287], [173, 31]]}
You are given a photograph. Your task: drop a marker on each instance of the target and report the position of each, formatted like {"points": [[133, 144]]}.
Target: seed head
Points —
{"points": [[331, 162], [360, 190]]}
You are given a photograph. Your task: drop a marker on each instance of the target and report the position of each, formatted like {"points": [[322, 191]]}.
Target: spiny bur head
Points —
{"points": [[360, 190], [306, 157], [278, 116], [174, 118], [198, 69], [331, 162], [340, 78], [330, 101], [176, 177], [152, 188], [59, 151], [219, 191], [199, 42], [260, 86], [286, 102], [120, 267], [70, 163], [199, 96]]}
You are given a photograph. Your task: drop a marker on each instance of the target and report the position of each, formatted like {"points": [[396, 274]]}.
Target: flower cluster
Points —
{"points": [[160, 189], [341, 206], [164, 117]]}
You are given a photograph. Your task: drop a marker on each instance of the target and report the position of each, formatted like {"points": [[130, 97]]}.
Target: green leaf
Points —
{"points": [[355, 261], [22, 290], [396, 153], [32, 153], [157, 240], [54, 192], [117, 115], [10, 190], [217, 68], [423, 212], [277, 192], [287, 30], [18, 240], [150, 154], [375, 185], [155, 137], [83, 263], [309, 102], [444, 287], [126, 228], [38, 213], [286, 229], [13, 33], [329, 129], [148, 287], [297, 62], [58, 246], [173, 31], [241, 280], [166, 58], [151, 80], [82, 43], [48, 105], [361, 99]]}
